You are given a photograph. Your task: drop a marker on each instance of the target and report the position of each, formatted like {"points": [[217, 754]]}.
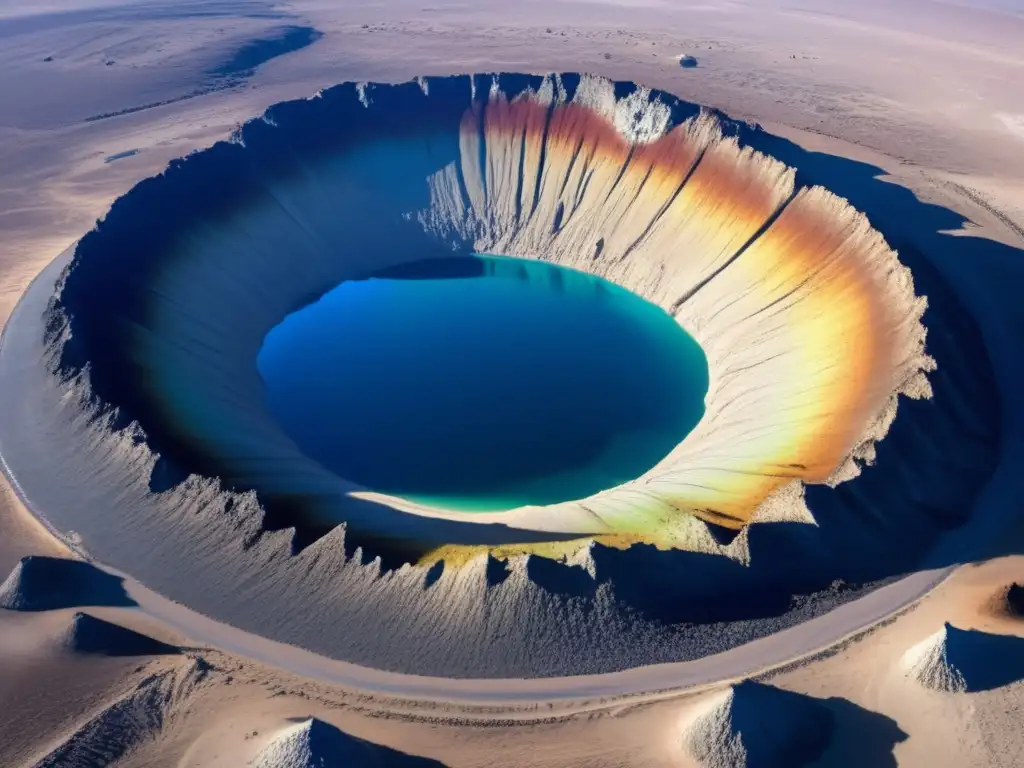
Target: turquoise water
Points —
{"points": [[483, 383]]}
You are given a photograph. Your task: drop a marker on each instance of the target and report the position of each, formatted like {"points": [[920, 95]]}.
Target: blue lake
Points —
{"points": [[483, 383]]}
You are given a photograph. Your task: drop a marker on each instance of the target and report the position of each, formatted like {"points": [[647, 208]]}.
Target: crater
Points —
{"points": [[483, 383], [737, 393], [808, 321]]}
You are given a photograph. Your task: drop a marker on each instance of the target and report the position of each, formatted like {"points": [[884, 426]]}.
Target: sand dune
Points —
{"points": [[40, 583], [88, 634], [122, 726], [757, 726], [316, 744], [965, 661]]}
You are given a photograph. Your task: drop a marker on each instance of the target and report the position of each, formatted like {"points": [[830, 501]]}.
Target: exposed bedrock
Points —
{"points": [[849, 423]]}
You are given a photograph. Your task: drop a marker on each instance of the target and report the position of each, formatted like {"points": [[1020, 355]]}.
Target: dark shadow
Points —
{"points": [[234, 71], [985, 660], [435, 269], [779, 727], [40, 583], [556, 225], [1015, 600], [120, 155], [90, 635], [255, 53], [860, 737], [496, 571], [559, 579], [724, 536], [775, 727], [435, 572], [672, 586], [166, 475]]}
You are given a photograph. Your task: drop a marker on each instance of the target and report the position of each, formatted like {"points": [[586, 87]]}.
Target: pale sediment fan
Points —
{"points": [[813, 331]]}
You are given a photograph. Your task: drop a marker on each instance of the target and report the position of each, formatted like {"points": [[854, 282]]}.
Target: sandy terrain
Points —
{"points": [[924, 90]]}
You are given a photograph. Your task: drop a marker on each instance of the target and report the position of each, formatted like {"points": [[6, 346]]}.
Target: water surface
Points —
{"points": [[483, 383]]}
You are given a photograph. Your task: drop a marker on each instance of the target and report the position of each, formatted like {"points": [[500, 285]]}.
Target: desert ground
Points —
{"points": [[99, 94]]}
